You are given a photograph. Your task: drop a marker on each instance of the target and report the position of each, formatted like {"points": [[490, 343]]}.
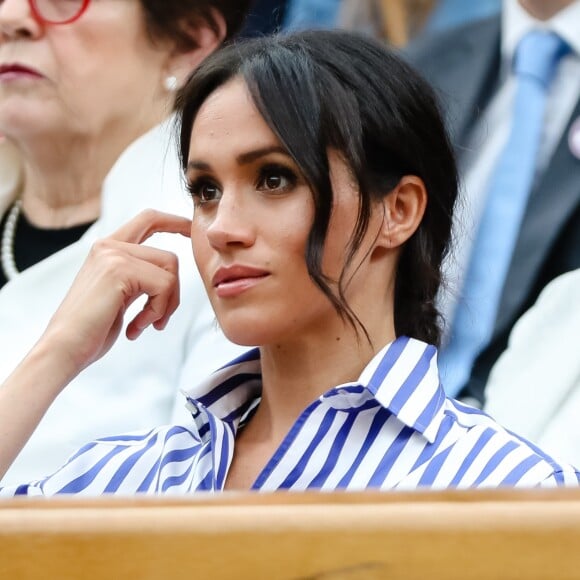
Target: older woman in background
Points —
{"points": [[86, 92]]}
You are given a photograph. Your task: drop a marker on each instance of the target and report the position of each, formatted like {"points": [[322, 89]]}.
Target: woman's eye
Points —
{"points": [[204, 191], [276, 179]]}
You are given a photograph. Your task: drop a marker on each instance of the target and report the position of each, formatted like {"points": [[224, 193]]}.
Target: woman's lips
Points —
{"points": [[233, 280], [16, 71]]}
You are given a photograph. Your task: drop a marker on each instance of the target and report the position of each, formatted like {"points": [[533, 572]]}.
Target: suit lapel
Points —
{"points": [[465, 73], [551, 204], [483, 44]]}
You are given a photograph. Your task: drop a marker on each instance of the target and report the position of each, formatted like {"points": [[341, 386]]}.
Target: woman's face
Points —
{"points": [[84, 77], [253, 213]]}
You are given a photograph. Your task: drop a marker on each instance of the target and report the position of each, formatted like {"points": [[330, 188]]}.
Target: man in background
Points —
{"points": [[511, 85]]}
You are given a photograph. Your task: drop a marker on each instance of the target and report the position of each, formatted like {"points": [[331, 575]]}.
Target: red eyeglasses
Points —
{"points": [[57, 11]]}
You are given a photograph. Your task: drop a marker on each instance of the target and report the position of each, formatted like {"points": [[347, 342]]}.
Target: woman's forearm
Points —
{"points": [[27, 394], [117, 271]]}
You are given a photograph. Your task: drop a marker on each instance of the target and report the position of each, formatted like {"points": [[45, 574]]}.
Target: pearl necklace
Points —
{"points": [[7, 245]]}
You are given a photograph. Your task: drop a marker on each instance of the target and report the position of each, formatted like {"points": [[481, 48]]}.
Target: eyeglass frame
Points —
{"points": [[40, 18]]}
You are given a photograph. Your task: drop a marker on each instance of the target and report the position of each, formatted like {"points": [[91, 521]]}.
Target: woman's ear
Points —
{"points": [[404, 208], [206, 35]]}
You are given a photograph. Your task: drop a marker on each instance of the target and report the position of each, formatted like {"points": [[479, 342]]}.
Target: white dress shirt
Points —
{"points": [[392, 429]]}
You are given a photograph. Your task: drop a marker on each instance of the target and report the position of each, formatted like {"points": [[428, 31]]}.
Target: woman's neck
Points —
{"points": [[295, 375], [54, 200], [64, 173]]}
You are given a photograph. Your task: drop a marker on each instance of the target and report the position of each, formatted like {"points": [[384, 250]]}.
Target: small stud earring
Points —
{"points": [[170, 83]]}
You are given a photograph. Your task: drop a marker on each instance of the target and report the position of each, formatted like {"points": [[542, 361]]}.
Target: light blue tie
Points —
{"points": [[535, 62]]}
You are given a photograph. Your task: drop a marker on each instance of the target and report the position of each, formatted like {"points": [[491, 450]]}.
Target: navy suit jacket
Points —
{"points": [[463, 65]]}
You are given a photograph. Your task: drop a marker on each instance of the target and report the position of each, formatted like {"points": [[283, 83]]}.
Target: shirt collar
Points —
{"points": [[517, 22], [402, 377]]}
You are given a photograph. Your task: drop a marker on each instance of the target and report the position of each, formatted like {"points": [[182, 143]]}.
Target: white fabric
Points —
{"points": [[136, 385], [534, 388], [490, 133]]}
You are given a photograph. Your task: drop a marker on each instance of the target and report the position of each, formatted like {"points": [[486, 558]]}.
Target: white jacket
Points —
{"points": [[534, 388], [136, 385]]}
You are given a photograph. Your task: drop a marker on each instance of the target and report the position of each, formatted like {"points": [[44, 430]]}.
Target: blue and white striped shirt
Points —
{"points": [[392, 429]]}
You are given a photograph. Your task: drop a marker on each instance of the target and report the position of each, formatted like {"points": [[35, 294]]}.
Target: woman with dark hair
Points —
{"points": [[323, 186], [86, 98]]}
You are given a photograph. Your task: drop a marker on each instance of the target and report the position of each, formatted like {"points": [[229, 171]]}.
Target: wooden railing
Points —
{"points": [[423, 535]]}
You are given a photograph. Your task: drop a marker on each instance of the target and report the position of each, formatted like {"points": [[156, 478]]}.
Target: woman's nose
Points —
{"points": [[231, 225], [17, 20]]}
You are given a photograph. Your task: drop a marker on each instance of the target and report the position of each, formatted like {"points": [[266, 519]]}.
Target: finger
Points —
{"points": [[156, 312], [142, 270], [107, 250], [150, 222], [172, 306], [162, 288]]}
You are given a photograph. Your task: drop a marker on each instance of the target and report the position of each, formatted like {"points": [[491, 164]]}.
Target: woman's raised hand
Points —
{"points": [[117, 271], [89, 320]]}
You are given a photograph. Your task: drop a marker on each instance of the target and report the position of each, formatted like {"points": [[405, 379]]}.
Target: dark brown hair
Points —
{"points": [[173, 19], [336, 90]]}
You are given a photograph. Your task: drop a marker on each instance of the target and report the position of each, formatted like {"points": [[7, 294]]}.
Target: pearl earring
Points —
{"points": [[170, 83]]}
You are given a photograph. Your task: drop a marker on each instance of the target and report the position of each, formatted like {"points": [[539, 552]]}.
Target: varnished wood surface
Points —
{"points": [[424, 535]]}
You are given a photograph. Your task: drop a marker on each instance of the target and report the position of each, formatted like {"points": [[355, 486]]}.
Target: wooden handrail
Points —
{"points": [[449, 535]]}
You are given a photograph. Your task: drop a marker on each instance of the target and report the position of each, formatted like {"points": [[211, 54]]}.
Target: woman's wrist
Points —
{"points": [[55, 358]]}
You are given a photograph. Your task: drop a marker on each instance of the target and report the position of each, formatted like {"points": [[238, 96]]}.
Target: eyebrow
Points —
{"points": [[242, 158]]}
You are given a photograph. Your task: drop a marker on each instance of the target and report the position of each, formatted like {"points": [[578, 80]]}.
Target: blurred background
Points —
{"points": [[398, 21]]}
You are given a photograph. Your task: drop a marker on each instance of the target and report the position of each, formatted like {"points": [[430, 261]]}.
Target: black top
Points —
{"points": [[33, 244]]}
